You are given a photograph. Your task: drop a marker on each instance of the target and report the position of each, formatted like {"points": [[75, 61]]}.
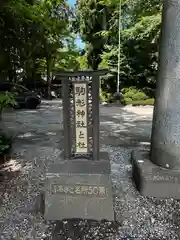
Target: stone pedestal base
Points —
{"points": [[152, 180], [79, 189]]}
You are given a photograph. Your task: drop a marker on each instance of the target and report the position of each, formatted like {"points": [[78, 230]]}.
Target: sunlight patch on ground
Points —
{"points": [[26, 135], [51, 133], [107, 123], [145, 143], [12, 166]]}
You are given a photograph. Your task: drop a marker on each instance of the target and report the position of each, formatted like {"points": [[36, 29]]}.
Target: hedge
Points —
{"points": [[128, 101]]}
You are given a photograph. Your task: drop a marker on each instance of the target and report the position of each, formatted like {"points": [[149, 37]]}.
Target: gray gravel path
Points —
{"points": [[38, 143]]}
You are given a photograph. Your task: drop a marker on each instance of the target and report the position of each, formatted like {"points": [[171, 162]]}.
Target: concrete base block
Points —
{"points": [[152, 180], [79, 189]]}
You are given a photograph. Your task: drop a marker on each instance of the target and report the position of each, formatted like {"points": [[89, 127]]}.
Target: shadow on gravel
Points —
{"points": [[139, 218], [125, 129], [79, 229]]}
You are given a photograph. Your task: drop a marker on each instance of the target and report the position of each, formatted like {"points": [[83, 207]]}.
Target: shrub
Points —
{"points": [[106, 97], [127, 101], [6, 100], [134, 93], [149, 101], [129, 94], [103, 96], [132, 89], [5, 144], [139, 96], [124, 90]]}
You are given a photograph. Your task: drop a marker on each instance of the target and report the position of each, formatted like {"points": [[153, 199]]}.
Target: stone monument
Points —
{"points": [[158, 173], [79, 185]]}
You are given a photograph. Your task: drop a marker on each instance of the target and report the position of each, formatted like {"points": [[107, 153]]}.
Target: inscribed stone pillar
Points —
{"points": [[165, 145], [79, 186]]}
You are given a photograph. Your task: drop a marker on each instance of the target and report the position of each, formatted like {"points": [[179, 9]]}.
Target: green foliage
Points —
{"points": [[5, 144], [131, 96], [134, 94], [37, 37], [125, 90], [139, 96], [104, 96], [129, 101], [6, 100], [68, 57], [107, 97], [91, 20], [83, 64], [129, 92], [140, 30], [33, 36], [126, 100]]}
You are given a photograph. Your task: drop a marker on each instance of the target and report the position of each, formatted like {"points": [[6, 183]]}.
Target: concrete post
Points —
{"points": [[158, 174]]}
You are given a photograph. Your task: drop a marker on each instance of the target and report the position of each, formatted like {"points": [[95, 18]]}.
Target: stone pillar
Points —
{"points": [[157, 173], [165, 148], [79, 186]]}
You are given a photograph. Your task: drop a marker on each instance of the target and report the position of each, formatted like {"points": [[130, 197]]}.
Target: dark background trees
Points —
{"points": [[38, 37], [140, 30]]}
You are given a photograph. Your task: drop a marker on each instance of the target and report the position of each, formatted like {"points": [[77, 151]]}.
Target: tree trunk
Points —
{"points": [[34, 73], [3, 129], [48, 63], [1, 112]]}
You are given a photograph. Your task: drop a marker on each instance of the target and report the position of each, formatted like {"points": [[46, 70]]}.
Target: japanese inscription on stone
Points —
{"points": [[83, 190], [80, 97]]}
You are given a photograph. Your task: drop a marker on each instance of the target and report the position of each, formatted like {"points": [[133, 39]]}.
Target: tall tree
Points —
{"points": [[56, 16], [33, 32], [91, 18], [140, 30]]}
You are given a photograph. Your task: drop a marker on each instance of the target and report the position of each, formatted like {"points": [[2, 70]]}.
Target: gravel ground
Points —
{"points": [[38, 140]]}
